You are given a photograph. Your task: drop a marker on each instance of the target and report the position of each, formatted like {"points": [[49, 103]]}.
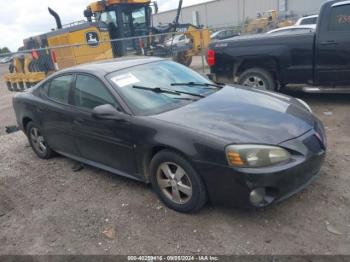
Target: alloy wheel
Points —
{"points": [[38, 140], [255, 82], [174, 183]]}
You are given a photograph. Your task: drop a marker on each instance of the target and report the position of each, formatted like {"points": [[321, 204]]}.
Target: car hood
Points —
{"points": [[241, 115]]}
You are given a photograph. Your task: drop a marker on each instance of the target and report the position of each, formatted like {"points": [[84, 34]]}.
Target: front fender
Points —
{"points": [[152, 136]]}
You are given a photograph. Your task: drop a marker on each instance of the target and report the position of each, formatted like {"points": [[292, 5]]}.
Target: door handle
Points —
{"points": [[39, 109], [329, 43]]}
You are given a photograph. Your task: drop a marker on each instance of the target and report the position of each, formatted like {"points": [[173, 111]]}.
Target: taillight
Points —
{"points": [[141, 43], [54, 60], [35, 55], [211, 57], [53, 56]]}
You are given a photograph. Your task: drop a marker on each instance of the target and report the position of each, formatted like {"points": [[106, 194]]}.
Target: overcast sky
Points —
{"points": [[20, 19]]}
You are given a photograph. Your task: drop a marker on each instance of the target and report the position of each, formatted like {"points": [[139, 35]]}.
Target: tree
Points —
{"points": [[4, 50]]}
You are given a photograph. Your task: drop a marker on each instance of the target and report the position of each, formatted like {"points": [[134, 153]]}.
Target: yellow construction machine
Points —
{"points": [[113, 28], [265, 22]]}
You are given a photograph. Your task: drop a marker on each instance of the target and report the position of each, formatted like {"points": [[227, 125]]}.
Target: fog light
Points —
{"points": [[257, 196]]}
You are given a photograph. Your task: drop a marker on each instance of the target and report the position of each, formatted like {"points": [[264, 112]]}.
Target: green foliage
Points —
{"points": [[4, 50]]}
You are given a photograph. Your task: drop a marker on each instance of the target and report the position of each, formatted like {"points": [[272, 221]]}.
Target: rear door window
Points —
{"points": [[44, 88], [302, 30], [59, 88], [230, 33]]}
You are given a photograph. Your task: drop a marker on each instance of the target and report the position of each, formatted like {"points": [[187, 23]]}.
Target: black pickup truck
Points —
{"points": [[318, 60]]}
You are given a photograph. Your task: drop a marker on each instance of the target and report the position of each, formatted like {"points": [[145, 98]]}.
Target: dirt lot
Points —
{"points": [[46, 208]]}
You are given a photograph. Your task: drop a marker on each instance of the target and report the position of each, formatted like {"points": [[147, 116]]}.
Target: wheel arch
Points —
{"points": [[25, 122], [267, 63], [151, 152]]}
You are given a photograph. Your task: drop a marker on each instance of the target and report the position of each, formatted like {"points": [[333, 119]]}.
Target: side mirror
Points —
{"points": [[107, 112]]}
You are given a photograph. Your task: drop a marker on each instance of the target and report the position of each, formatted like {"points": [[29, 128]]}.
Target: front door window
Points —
{"points": [[90, 92]]}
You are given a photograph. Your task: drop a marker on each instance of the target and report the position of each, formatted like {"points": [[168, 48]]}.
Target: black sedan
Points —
{"points": [[159, 122]]}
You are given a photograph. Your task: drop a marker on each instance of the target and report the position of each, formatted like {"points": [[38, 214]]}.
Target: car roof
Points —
{"points": [[105, 67], [218, 32], [305, 18], [310, 16], [176, 37], [292, 27], [223, 30]]}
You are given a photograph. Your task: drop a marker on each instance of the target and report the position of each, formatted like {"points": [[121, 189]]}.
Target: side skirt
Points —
{"points": [[101, 166]]}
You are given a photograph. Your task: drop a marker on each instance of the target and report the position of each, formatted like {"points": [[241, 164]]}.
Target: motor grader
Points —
{"points": [[265, 22], [112, 28]]}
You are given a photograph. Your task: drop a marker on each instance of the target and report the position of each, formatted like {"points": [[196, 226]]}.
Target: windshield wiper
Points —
{"points": [[167, 91], [209, 85], [185, 98]]}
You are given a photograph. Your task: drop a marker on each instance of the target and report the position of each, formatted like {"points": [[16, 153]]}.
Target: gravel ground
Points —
{"points": [[46, 208]]}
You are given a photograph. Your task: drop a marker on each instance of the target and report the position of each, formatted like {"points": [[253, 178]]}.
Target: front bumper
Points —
{"points": [[229, 186]]}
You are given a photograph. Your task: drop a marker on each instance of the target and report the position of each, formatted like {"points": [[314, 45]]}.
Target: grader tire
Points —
{"points": [[9, 86], [11, 68], [15, 87], [21, 86]]}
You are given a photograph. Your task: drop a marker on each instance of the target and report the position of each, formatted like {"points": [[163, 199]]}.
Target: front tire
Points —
{"points": [[38, 142], [257, 78], [176, 182], [9, 86]]}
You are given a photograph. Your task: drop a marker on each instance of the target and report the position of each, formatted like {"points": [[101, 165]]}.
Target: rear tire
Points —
{"points": [[11, 68], [37, 141], [257, 78], [176, 182], [21, 86], [15, 87], [9, 86]]}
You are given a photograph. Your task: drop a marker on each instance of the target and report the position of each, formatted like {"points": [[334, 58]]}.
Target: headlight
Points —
{"points": [[305, 104], [255, 155]]}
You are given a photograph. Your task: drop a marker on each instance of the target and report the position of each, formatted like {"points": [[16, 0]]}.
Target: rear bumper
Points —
{"points": [[231, 187]]}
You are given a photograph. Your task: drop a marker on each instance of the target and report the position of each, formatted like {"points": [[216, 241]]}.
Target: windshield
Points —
{"points": [[215, 34], [309, 21], [161, 75]]}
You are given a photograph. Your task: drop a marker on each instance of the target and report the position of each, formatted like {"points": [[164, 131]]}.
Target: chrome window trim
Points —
{"points": [[341, 3]]}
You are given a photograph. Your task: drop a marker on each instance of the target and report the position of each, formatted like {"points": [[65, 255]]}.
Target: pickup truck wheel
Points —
{"points": [[257, 78]]}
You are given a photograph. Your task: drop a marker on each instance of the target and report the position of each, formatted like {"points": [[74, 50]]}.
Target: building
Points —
{"points": [[225, 13]]}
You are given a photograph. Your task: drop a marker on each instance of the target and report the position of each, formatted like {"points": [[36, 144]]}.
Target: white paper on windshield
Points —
{"points": [[125, 80]]}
